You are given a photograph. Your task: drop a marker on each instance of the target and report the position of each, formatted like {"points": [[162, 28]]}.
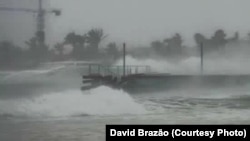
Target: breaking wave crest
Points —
{"points": [[100, 101], [191, 65]]}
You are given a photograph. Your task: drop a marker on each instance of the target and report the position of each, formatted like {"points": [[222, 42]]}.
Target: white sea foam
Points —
{"points": [[99, 101]]}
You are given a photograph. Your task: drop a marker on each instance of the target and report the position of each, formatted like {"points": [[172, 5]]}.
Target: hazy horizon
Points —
{"points": [[137, 22]]}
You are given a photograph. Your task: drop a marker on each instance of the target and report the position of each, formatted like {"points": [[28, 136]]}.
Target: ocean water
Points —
{"points": [[47, 104]]}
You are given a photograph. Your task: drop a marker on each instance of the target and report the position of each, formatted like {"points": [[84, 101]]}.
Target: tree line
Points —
{"points": [[84, 47], [87, 47], [173, 46]]}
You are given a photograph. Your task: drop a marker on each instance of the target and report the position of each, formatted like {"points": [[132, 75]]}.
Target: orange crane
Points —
{"points": [[41, 12]]}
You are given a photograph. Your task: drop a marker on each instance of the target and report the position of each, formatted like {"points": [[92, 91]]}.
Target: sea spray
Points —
{"points": [[100, 101], [191, 65]]}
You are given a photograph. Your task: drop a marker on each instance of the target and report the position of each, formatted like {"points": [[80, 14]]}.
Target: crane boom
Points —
{"points": [[56, 12], [18, 9]]}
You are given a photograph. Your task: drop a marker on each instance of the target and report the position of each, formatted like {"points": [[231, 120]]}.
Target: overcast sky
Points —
{"points": [[137, 22]]}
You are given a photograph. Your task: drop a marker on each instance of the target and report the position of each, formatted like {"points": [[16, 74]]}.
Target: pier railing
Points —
{"points": [[97, 69]]}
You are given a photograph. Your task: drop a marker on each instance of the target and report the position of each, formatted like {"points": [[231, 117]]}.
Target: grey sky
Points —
{"points": [[137, 22]]}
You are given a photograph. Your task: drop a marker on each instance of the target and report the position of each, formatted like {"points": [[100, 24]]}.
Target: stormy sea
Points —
{"points": [[47, 104]]}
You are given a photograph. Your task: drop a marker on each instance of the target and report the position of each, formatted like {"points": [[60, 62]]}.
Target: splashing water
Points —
{"points": [[191, 65], [100, 101]]}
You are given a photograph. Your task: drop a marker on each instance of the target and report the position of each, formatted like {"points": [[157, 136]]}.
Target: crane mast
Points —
{"points": [[40, 25], [41, 12]]}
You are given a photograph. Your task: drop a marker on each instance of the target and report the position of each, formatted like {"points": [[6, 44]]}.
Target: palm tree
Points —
{"points": [[218, 40], [71, 39], [157, 46], [112, 50], [199, 38], [77, 42], [94, 37], [219, 37]]}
